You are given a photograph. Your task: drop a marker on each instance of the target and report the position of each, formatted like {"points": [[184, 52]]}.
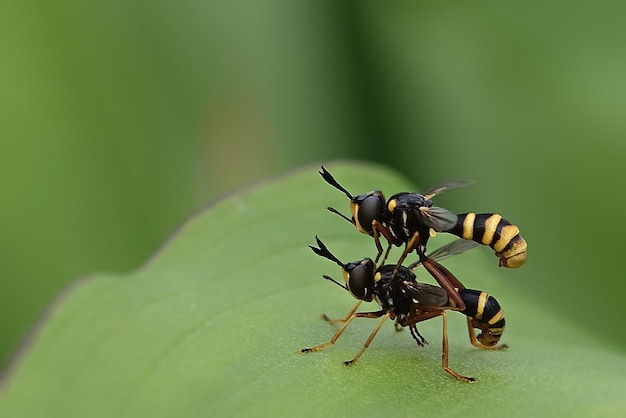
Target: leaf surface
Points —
{"points": [[212, 324]]}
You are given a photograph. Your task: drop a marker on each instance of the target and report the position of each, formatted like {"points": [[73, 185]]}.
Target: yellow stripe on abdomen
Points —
{"points": [[491, 225], [482, 302], [507, 233], [498, 316], [468, 226]]}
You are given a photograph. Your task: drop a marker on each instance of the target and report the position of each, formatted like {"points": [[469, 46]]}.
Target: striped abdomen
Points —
{"points": [[485, 314], [493, 230]]}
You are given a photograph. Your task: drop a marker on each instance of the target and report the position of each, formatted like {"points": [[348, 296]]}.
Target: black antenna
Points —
{"points": [[335, 281], [322, 251], [335, 211], [331, 180]]}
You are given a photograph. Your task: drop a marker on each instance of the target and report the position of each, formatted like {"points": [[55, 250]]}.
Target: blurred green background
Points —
{"points": [[119, 119]]}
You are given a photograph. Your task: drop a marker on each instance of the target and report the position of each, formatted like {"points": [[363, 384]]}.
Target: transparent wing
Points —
{"points": [[435, 190], [454, 248]]}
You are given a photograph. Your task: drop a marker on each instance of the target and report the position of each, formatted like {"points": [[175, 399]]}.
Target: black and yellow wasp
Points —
{"points": [[402, 298], [409, 218]]}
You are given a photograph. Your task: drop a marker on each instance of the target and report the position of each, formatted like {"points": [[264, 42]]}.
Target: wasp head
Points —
{"points": [[365, 208], [359, 278], [358, 275]]}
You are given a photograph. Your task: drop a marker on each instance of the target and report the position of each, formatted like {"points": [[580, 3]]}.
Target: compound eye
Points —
{"points": [[360, 282], [370, 209]]}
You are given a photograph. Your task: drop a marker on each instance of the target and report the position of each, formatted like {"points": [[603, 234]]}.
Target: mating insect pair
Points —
{"points": [[409, 219], [402, 298]]}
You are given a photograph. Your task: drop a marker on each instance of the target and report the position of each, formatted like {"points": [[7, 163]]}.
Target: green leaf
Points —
{"points": [[212, 324]]}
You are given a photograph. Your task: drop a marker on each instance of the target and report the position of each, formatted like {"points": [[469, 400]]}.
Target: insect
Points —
{"points": [[409, 219], [409, 302]]}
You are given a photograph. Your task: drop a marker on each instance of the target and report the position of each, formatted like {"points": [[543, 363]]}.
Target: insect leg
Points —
{"points": [[380, 229], [340, 331], [370, 338], [421, 341], [411, 244], [348, 315], [420, 316], [332, 340], [445, 353]]}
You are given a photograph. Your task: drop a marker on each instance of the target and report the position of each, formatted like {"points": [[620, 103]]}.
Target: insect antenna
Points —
{"points": [[331, 180], [323, 251], [343, 286], [335, 211]]}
